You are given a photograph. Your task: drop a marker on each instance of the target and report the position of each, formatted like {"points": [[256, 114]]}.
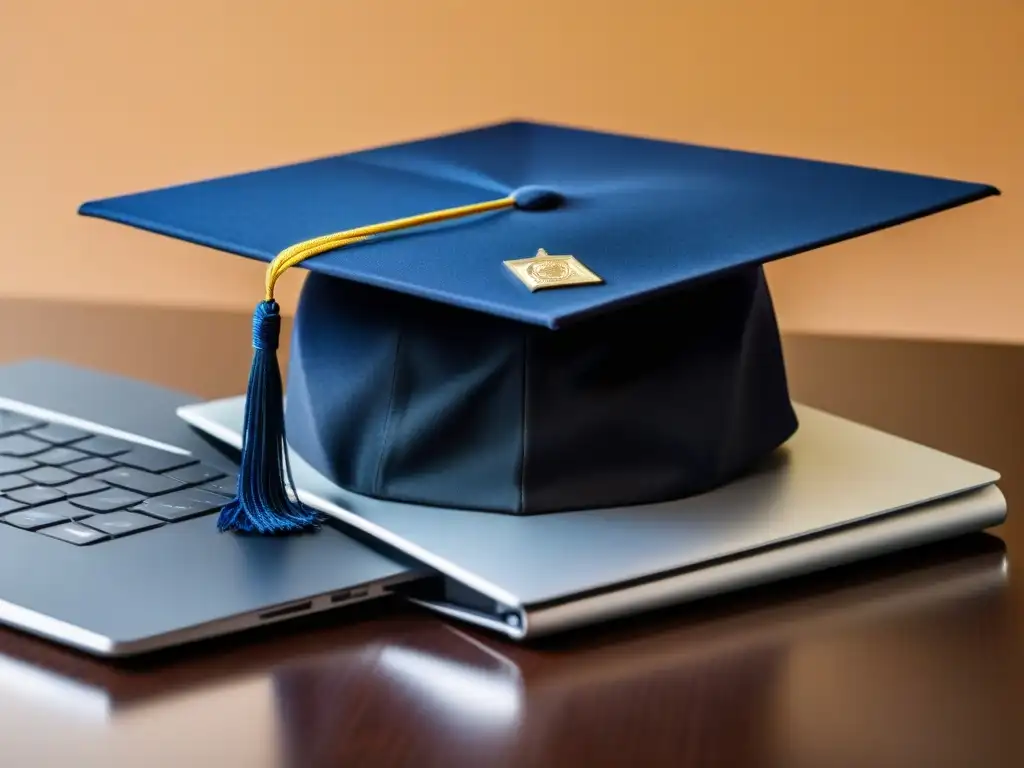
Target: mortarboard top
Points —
{"points": [[457, 356]]}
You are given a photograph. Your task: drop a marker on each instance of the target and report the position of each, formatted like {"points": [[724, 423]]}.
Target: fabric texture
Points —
{"points": [[415, 401]]}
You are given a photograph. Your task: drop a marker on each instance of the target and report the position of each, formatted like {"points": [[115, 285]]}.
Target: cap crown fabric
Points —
{"points": [[395, 397]]}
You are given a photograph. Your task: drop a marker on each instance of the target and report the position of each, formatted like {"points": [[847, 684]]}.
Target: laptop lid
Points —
{"points": [[832, 474]]}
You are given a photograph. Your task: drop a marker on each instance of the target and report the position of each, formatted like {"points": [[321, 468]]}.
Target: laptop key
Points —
{"points": [[89, 466], [10, 482], [139, 480], [20, 445], [226, 486], [34, 519], [122, 523], [74, 533], [58, 456], [50, 475], [196, 473], [35, 494], [108, 500], [58, 434], [49, 514], [82, 486], [181, 505], [154, 460], [101, 445], [9, 464], [9, 505], [16, 422]]}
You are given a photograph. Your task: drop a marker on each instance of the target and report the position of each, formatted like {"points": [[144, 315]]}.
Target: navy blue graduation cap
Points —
{"points": [[523, 318]]}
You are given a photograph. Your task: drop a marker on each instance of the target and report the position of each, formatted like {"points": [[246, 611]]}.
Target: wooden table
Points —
{"points": [[912, 660]]}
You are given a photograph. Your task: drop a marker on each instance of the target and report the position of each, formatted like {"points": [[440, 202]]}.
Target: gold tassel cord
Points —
{"points": [[307, 249]]}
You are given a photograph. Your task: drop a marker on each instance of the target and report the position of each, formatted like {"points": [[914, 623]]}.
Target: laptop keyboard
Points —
{"points": [[82, 488]]}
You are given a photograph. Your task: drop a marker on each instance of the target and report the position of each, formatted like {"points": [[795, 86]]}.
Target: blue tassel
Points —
{"points": [[262, 504]]}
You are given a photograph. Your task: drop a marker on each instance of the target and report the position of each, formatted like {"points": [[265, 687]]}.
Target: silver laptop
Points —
{"points": [[108, 538], [837, 492]]}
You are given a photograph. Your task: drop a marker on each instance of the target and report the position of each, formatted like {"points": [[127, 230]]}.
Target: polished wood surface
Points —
{"points": [[911, 660]]}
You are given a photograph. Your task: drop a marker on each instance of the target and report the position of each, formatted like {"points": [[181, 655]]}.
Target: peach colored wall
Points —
{"points": [[111, 96]]}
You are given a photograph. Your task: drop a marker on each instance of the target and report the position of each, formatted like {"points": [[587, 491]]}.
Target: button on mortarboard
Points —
{"points": [[421, 372], [535, 198]]}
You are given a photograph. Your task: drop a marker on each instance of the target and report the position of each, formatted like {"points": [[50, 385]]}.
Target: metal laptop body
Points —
{"points": [[176, 583], [837, 492]]}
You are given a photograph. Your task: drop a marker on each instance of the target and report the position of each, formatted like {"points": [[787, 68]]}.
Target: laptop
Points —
{"points": [[835, 493], [108, 538], [108, 543]]}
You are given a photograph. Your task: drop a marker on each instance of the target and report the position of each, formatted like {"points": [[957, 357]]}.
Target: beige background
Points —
{"points": [[111, 96]]}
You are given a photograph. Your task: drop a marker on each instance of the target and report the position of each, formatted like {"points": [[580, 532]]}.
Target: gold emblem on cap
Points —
{"points": [[547, 271]]}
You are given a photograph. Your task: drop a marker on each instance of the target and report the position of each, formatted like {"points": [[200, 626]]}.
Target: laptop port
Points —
{"points": [[287, 610], [350, 594]]}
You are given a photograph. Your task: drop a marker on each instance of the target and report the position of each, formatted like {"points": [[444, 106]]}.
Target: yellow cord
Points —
{"points": [[299, 252]]}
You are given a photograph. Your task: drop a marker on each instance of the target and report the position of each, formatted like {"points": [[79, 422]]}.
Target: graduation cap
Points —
{"points": [[523, 318]]}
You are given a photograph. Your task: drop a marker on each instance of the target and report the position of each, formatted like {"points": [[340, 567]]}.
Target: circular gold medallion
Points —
{"points": [[549, 271]]}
